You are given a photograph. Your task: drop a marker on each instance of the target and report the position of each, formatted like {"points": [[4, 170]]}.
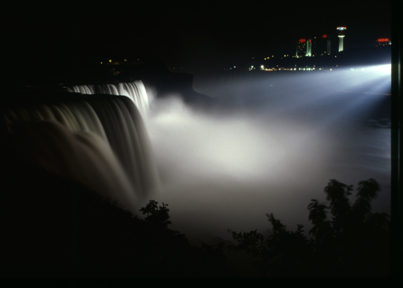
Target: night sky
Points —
{"points": [[198, 35]]}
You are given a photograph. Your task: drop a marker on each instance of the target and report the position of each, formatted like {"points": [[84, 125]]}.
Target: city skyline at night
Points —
{"points": [[320, 46], [200, 37]]}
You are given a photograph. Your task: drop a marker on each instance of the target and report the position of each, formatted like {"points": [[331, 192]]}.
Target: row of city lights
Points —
{"points": [[380, 68], [267, 58], [110, 61], [262, 68]]}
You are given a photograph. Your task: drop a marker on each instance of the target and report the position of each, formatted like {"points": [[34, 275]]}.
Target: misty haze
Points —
{"points": [[271, 145]]}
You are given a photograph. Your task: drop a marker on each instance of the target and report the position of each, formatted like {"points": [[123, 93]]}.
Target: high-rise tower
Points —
{"points": [[304, 48], [341, 36], [301, 48], [309, 48], [321, 45]]}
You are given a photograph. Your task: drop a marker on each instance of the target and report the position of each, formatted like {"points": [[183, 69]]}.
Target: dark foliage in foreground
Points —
{"points": [[54, 227], [354, 242]]}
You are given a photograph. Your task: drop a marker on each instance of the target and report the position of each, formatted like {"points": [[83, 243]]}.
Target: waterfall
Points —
{"points": [[99, 140], [134, 90]]}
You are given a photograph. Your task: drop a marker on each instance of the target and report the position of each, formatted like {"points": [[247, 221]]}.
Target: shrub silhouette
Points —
{"points": [[55, 227], [156, 215], [353, 242]]}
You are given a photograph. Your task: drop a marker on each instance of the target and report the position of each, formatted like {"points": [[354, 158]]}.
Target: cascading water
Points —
{"points": [[134, 90], [100, 141]]}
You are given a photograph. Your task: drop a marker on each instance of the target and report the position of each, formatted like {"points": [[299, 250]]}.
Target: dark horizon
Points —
{"points": [[199, 36]]}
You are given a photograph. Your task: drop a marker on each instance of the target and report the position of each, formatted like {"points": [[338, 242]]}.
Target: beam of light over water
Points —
{"points": [[274, 150]]}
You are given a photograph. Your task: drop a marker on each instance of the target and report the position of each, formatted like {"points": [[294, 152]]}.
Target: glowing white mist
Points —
{"points": [[225, 169]]}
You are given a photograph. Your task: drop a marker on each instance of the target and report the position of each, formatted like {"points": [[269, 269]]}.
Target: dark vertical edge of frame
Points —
{"points": [[396, 198]]}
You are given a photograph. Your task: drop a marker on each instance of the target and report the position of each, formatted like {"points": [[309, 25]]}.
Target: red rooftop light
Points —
{"points": [[302, 40], [324, 36], [383, 40]]}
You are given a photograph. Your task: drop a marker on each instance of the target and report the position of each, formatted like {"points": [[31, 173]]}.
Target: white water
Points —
{"points": [[100, 142], [134, 90]]}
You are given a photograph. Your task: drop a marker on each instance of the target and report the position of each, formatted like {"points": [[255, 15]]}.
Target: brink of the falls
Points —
{"points": [[97, 140]]}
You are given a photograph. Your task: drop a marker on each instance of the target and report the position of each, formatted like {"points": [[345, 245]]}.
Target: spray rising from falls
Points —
{"points": [[98, 140]]}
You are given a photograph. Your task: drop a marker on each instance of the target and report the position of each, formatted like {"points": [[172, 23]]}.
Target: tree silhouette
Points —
{"points": [[317, 215], [367, 190], [156, 215], [354, 242]]}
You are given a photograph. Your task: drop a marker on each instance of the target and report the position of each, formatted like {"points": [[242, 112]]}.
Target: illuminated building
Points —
{"points": [[341, 36], [328, 45], [321, 45], [309, 48], [383, 42], [304, 48], [301, 46]]}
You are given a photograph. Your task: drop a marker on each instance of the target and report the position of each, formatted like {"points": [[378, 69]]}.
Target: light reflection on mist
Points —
{"points": [[224, 169]]}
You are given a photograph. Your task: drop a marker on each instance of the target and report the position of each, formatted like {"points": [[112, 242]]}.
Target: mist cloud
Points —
{"points": [[224, 169]]}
